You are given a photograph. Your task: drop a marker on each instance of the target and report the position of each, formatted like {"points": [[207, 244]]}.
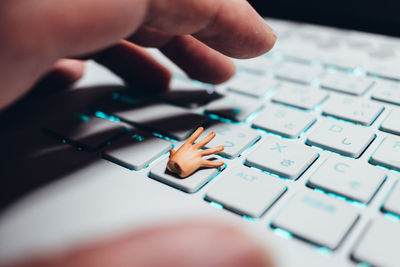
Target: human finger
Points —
{"points": [[205, 140], [199, 61], [194, 136], [211, 151], [212, 163], [63, 74], [136, 67]]}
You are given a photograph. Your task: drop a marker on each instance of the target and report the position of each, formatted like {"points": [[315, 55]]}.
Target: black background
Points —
{"points": [[380, 16]]}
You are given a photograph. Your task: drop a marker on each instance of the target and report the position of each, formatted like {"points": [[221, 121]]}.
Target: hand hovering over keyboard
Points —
{"points": [[38, 35], [42, 40]]}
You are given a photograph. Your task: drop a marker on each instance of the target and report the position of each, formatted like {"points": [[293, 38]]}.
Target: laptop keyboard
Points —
{"points": [[311, 133]]}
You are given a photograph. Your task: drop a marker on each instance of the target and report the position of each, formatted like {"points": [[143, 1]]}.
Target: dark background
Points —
{"points": [[380, 16]]}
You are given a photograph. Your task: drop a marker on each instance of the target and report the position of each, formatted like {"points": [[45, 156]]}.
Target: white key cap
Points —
{"points": [[352, 109], [344, 138], [282, 157], [346, 83], [258, 65], [318, 218], [188, 93], [87, 132], [344, 59], [392, 123], [284, 121], [251, 85], [298, 73], [348, 177], [300, 96], [379, 244], [384, 68], [175, 122], [136, 150], [190, 184], [234, 107], [388, 153], [234, 138], [392, 203], [304, 53], [246, 191], [387, 92]]}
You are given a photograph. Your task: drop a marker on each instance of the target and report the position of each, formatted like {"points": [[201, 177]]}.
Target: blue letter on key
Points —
{"points": [[336, 128]]}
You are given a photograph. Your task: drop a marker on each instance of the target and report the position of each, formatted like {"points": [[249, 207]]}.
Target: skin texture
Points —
{"points": [[43, 47], [189, 157], [36, 34]]}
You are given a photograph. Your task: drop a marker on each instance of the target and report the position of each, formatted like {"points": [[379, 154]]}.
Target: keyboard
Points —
{"points": [[311, 132]]}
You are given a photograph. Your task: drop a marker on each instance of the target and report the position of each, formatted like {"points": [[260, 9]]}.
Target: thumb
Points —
{"points": [[186, 245]]}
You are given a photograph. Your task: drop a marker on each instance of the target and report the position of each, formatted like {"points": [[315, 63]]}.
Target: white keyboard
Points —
{"points": [[311, 133]]}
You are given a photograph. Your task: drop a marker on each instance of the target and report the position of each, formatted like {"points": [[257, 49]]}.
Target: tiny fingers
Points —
{"points": [[212, 150], [205, 140], [212, 164], [194, 136]]}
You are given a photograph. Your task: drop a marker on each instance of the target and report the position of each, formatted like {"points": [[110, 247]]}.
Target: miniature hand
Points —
{"points": [[189, 157]]}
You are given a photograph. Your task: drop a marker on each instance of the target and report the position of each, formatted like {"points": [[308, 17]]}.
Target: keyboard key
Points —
{"points": [[344, 59], [392, 203], [388, 153], [234, 107], [348, 178], [346, 83], [352, 109], [388, 92], [246, 191], [318, 218], [379, 244], [258, 65], [300, 96], [191, 94], [340, 137], [284, 121], [172, 121], [136, 150], [282, 157], [251, 85], [384, 68], [190, 184], [87, 132], [392, 123], [298, 73], [234, 138]]}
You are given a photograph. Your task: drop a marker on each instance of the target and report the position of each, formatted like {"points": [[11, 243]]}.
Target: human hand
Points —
{"points": [[37, 37], [200, 244], [189, 157]]}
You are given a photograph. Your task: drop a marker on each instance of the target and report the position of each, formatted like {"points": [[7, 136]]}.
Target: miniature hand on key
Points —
{"points": [[189, 158]]}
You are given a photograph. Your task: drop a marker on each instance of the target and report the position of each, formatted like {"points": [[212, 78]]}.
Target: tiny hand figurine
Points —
{"points": [[189, 158]]}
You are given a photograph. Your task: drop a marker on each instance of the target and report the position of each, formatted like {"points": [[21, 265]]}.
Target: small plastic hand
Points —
{"points": [[189, 158]]}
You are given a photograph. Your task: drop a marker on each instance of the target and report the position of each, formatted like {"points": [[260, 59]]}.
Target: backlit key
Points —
{"points": [[246, 191], [284, 121], [388, 92], [344, 138], [234, 107], [251, 85], [388, 153], [392, 203], [298, 73], [392, 123], [190, 184], [282, 157], [318, 218], [304, 97], [234, 138], [352, 109], [346, 83], [137, 149], [379, 244], [348, 178]]}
